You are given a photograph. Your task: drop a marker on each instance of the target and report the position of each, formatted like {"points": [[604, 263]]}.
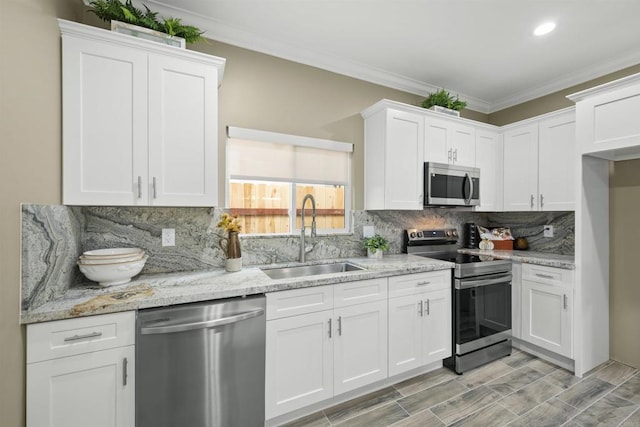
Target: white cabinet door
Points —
{"points": [[403, 161], [405, 334], [449, 142], [463, 145], [299, 361], [521, 168], [104, 113], [94, 389], [557, 163], [360, 345], [437, 141], [183, 113], [546, 316], [489, 158], [437, 338]]}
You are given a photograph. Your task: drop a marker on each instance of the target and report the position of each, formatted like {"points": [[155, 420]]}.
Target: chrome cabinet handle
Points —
{"points": [[422, 283], [139, 187], [455, 155], [340, 325], [532, 201], [564, 299], [420, 309], [450, 154], [83, 337], [428, 310], [541, 201], [155, 193], [330, 327], [125, 362]]}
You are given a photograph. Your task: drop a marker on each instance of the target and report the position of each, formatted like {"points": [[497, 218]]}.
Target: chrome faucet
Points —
{"points": [[313, 224]]}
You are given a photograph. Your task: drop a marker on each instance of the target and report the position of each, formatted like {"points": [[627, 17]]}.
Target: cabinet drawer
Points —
{"points": [[362, 291], [61, 338], [412, 284], [548, 275], [299, 301]]}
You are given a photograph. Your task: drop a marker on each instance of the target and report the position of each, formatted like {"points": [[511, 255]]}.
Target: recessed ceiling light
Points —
{"points": [[545, 28]]}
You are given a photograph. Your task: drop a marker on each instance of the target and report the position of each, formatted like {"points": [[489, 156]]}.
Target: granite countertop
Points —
{"points": [[539, 258], [157, 290]]}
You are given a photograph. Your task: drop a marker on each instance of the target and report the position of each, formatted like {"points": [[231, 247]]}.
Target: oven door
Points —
{"points": [[482, 311]]}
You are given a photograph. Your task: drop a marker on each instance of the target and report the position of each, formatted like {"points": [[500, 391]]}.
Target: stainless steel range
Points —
{"points": [[481, 298]]}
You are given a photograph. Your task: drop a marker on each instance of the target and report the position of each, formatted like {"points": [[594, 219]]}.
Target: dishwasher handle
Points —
{"points": [[183, 327]]}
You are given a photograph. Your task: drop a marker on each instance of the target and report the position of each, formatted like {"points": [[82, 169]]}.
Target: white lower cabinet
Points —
{"points": [[547, 308], [419, 320], [81, 372], [314, 356]]}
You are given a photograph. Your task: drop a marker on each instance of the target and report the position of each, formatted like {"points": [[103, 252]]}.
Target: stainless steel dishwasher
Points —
{"points": [[201, 364]]}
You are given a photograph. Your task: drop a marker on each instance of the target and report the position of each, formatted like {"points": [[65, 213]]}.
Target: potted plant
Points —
{"points": [[375, 246], [128, 19], [443, 102]]}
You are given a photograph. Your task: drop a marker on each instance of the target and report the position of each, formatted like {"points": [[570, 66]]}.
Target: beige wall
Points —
{"points": [[624, 292], [29, 161]]}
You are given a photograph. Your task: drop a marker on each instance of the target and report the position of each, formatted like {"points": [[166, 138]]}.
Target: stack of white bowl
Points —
{"points": [[114, 266]]}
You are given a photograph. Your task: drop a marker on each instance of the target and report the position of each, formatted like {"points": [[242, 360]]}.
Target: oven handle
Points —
{"points": [[466, 283]]}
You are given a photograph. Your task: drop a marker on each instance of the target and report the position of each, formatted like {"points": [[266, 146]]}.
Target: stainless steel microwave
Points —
{"points": [[451, 185]]}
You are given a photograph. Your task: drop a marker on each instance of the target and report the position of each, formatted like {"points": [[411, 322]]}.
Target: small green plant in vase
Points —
{"points": [[375, 245]]}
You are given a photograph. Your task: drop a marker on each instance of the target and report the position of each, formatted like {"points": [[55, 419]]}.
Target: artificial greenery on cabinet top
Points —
{"points": [[442, 98], [115, 10]]}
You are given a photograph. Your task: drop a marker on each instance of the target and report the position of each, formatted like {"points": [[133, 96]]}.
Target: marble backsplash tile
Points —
{"points": [[54, 236]]}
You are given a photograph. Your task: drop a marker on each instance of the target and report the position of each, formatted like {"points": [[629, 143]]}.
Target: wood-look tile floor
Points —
{"points": [[519, 390]]}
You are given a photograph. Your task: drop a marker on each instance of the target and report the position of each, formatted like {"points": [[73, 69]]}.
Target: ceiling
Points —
{"points": [[483, 50]]}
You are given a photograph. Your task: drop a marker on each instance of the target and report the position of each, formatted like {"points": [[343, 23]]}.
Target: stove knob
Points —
{"points": [[448, 233], [419, 233], [455, 233], [412, 235]]}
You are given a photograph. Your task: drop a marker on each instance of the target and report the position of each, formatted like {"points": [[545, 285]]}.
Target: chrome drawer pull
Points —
{"points": [[420, 309], [330, 327], [564, 299], [423, 283], [428, 310], [340, 325], [83, 337], [545, 276], [125, 364]]}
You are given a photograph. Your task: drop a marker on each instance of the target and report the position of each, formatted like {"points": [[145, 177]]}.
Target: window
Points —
{"points": [[268, 174]]}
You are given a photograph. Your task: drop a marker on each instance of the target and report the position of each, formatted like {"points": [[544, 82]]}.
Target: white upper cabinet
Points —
{"points": [[489, 158], [521, 168], [393, 160], [557, 160], [447, 141], [610, 112], [140, 121], [539, 164]]}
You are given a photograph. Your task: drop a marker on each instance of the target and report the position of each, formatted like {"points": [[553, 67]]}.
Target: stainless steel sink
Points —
{"points": [[310, 270]]}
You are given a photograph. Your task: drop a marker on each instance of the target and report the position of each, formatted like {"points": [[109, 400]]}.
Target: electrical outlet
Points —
{"points": [[368, 230], [168, 237], [548, 231]]}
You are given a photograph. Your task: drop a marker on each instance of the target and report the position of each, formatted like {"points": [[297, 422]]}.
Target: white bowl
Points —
{"points": [[110, 260], [112, 253], [112, 274]]}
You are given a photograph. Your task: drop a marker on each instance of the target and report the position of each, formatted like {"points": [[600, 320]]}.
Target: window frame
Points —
{"points": [[300, 141]]}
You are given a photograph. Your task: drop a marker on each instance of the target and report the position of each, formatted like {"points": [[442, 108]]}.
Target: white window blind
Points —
{"points": [[261, 155]]}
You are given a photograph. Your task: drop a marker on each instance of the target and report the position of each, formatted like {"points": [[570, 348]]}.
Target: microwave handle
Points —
{"points": [[468, 201]]}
